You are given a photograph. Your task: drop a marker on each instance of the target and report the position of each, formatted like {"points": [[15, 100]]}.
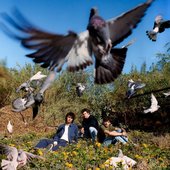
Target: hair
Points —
{"points": [[85, 110], [72, 115], [106, 119]]}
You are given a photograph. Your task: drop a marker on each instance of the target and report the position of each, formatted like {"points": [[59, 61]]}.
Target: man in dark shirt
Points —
{"points": [[89, 125]]}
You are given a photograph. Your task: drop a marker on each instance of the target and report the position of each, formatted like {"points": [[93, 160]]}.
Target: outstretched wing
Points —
{"points": [[51, 50], [121, 27], [32, 156], [165, 24], [154, 102], [9, 151]]}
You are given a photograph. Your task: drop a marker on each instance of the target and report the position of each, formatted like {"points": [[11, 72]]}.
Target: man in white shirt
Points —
{"points": [[66, 133]]}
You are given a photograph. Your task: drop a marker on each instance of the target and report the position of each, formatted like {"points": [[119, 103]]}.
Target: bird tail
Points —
{"points": [[152, 35], [110, 66]]}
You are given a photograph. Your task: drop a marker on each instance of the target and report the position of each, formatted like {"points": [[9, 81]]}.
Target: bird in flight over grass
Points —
{"points": [[53, 50], [154, 105], [16, 158], [160, 25]]}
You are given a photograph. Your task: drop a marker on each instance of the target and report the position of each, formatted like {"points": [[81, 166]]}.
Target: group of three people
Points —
{"points": [[69, 133]]}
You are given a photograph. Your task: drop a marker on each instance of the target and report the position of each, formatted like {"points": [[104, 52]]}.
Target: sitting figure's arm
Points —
{"points": [[114, 133]]}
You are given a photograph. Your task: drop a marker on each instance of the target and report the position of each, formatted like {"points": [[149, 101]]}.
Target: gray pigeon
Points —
{"points": [[15, 157], [53, 50], [159, 26], [133, 87], [29, 100]]}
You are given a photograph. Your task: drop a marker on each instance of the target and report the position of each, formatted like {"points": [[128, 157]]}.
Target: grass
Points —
{"points": [[150, 152]]}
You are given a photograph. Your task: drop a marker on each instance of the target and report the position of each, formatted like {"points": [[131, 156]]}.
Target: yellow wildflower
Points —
{"points": [[98, 144], [69, 165], [39, 152], [74, 153], [97, 168], [138, 157], [144, 145]]}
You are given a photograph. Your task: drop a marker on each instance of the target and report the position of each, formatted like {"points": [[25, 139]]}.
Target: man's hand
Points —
{"points": [[55, 143], [82, 130]]}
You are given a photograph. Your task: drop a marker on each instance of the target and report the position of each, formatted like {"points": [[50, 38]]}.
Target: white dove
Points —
{"points": [[127, 163], [167, 94], [10, 127], [15, 158], [154, 105]]}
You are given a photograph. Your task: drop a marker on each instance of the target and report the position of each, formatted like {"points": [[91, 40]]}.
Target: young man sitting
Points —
{"points": [[66, 133], [112, 134]]}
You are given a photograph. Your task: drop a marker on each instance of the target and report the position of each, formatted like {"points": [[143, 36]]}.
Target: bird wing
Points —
{"points": [[51, 50], [110, 66], [9, 151], [165, 24], [38, 76], [80, 56], [121, 27], [32, 156], [139, 85], [35, 108], [154, 102]]}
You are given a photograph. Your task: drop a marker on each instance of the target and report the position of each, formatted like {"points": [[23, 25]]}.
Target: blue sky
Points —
{"points": [[59, 16]]}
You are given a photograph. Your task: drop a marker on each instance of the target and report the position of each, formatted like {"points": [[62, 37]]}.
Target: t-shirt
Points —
{"points": [[110, 128], [65, 134]]}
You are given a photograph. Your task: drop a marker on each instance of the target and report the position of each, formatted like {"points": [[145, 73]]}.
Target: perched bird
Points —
{"points": [[10, 127], [133, 87], [159, 26], [126, 162], [53, 50], [154, 105], [167, 94], [15, 158], [80, 89]]}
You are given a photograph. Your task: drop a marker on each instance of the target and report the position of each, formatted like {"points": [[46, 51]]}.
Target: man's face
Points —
{"points": [[85, 115], [69, 120], [106, 123]]}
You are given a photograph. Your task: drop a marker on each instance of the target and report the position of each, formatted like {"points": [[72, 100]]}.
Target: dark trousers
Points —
{"points": [[43, 143]]}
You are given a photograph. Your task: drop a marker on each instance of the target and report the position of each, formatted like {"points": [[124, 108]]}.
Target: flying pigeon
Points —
{"points": [[10, 127], [30, 99], [15, 158], [126, 162], [80, 89], [167, 94], [154, 105], [52, 51], [159, 26], [133, 87], [28, 86]]}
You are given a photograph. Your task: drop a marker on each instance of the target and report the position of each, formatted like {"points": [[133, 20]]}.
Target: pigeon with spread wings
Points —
{"points": [[15, 157], [54, 50], [160, 25]]}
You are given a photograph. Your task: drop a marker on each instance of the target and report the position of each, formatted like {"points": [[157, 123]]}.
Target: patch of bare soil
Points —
{"points": [[22, 122]]}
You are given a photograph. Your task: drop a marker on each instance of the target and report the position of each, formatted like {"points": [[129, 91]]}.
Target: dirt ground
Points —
{"points": [[22, 122]]}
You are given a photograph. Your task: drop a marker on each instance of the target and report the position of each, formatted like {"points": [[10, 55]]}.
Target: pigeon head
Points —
{"points": [[158, 19], [93, 12]]}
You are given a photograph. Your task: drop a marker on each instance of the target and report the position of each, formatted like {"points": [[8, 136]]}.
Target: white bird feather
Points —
{"points": [[154, 105]]}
